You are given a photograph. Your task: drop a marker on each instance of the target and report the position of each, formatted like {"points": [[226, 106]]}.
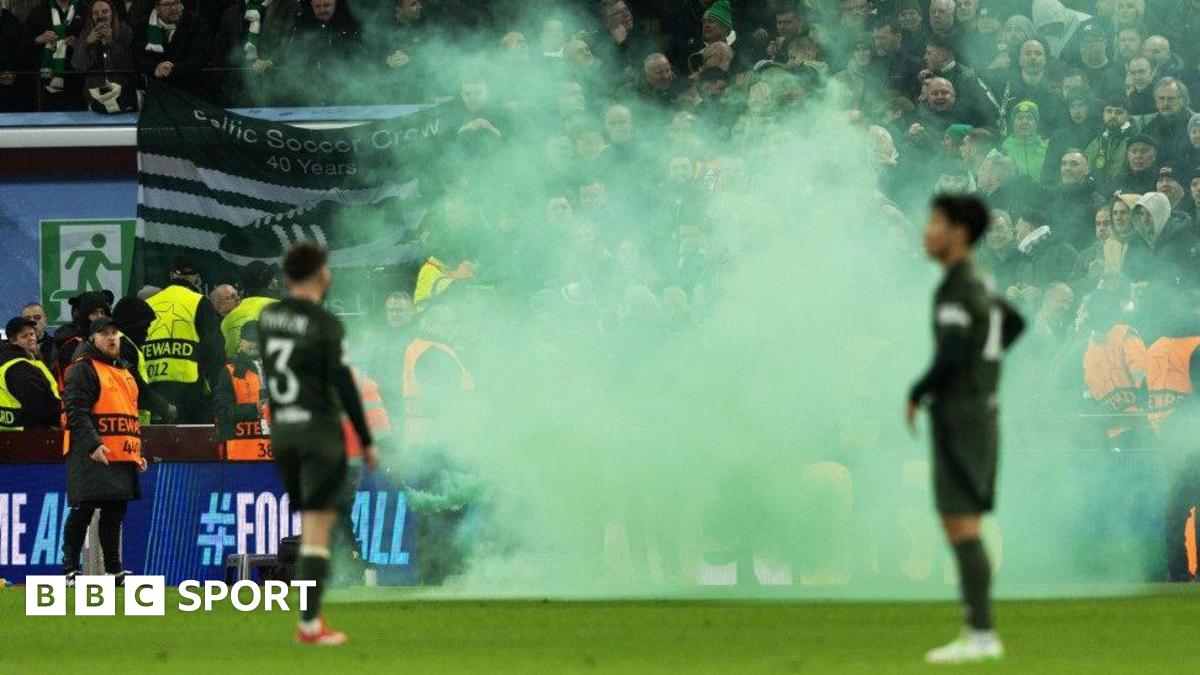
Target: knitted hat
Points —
{"points": [[720, 12], [1146, 139], [1028, 107], [959, 131]]}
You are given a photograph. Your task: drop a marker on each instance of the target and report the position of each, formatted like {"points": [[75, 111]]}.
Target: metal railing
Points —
{"points": [[209, 83]]}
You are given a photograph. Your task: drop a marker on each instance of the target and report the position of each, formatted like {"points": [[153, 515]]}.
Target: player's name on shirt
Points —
{"points": [[296, 324]]}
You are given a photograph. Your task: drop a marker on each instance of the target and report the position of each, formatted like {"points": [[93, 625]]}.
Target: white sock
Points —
{"points": [[981, 635]]}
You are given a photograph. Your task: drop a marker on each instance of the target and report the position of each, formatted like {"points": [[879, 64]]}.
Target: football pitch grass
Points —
{"points": [[392, 632]]}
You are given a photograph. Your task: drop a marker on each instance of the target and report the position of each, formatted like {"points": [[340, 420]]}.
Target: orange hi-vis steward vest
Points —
{"points": [[1168, 375], [115, 414], [416, 420], [378, 420], [250, 443], [1114, 368]]}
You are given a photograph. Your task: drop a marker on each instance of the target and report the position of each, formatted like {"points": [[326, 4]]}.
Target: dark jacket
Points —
{"points": [[229, 412], [1142, 102], [1170, 132], [88, 480], [188, 50], [973, 97], [1073, 210], [323, 56], [12, 37], [1049, 261], [40, 407], [1173, 258], [68, 337], [1139, 182]]}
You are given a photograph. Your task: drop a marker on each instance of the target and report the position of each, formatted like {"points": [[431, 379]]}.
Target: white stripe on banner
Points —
{"points": [[174, 167], [197, 205]]}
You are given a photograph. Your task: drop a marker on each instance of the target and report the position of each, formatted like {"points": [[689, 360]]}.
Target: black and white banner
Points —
{"points": [[225, 189]]}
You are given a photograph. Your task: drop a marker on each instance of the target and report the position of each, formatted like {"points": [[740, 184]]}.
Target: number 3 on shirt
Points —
{"points": [[283, 385]]}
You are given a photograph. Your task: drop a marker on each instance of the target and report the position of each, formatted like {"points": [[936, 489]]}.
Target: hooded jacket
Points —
{"points": [[1028, 153], [67, 338], [88, 480], [133, 317], [1046, 12], [40, 406], [1170, 252]]}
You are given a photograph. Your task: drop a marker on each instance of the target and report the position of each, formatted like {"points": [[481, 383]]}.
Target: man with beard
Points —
{"points": [[103, 447], [1107, 152]]}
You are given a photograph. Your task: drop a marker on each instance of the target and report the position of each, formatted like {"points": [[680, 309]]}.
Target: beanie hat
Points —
{"points": [[86, 303], [1029, 107], [720, 12], [959, 131]]}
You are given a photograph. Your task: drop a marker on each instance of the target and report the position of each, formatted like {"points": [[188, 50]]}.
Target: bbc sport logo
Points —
{"points": [[147, 595]]}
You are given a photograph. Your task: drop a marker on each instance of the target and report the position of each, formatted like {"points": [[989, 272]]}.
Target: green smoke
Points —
{"points": [[632, 435]]}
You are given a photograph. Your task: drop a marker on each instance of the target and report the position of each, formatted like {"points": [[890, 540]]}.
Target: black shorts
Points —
{"points": [[965, 450], [313, 470]]}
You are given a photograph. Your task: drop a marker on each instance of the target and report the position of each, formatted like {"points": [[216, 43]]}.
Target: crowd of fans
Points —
{"points": [[1072, 121]]}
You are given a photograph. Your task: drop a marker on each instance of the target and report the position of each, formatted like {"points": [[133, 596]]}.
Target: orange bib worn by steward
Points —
{"points": [[416, 420], [1114, 369], [250, 442], [378, 420], [115, 414], [1168, 375]]}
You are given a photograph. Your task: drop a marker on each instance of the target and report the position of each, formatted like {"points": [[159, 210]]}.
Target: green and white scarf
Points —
{"points": [[158, 33], [54, 54], [253, 18]]}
